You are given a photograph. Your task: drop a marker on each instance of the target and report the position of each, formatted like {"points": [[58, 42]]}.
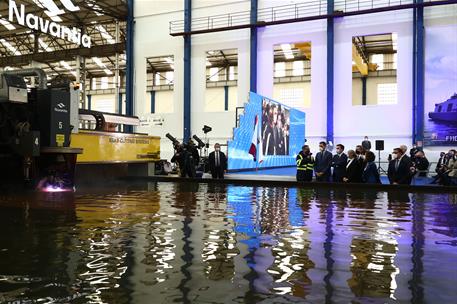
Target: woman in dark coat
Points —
{"points": [[370, 173]]}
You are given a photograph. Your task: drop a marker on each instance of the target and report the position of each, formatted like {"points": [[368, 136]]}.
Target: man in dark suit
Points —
{"points": [[217, 162], [339, 163], [353, 169], [366, 144], [323, 163], [401, 168]]}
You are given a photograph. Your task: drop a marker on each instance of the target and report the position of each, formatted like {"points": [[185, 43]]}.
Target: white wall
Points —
{"points": [[315, 32], [392, 123], [153, 39]]}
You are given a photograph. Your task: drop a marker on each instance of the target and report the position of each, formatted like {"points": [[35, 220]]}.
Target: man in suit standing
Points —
{"points": [[366, 144], [339, 163], [401, 168], [353, 169], [217, 162], [323, 163]]}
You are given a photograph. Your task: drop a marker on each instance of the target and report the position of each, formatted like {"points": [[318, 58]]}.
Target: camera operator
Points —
{"points": [[194, 151], [420, 164], [413, 152], [185, 159]]}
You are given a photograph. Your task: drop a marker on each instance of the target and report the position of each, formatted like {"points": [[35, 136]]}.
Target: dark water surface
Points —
{"points": [[190, 243]]}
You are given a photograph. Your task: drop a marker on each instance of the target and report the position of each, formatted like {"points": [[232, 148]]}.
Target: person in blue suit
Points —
{"points": [[339, 163], [323, 163], [370, 172]]}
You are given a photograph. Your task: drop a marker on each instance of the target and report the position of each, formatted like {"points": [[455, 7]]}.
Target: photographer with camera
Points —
{"points": [[185, 160]]}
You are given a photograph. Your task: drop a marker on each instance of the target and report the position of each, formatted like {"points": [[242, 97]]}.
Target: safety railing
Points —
{"points": [[307, 10]]}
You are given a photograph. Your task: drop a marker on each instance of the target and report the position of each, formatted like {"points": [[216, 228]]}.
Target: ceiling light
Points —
{"points": [[105, 34], [6, 24], [10, 47], [44, 45], [287, 51]]}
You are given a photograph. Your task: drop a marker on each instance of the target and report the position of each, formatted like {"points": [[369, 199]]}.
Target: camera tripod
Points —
{"points": [[380, 169]]}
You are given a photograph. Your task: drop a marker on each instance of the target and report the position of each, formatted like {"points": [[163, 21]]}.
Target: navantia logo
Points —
{"points": [[54, 10], [18, 15]]}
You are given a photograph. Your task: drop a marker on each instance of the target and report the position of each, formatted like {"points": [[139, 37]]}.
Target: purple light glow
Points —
{"points": [[51, 189]]}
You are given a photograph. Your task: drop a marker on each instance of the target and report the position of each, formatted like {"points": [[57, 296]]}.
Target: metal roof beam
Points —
{"points": [[95, 51]]}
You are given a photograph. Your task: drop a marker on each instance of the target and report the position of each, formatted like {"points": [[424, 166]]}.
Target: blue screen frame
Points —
{"points": [[239, 157]]}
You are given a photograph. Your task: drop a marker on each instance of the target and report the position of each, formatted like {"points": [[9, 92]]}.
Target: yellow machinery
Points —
{"points": [[102, 144], [106, 147]]}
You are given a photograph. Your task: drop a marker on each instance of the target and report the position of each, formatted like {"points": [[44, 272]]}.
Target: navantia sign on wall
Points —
{"points": [[17, 14]]}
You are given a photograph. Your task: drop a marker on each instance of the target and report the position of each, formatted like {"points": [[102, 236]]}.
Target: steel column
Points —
{"points": [[226, 98], [117, 87], [120, 105], [419, 75], [187, 69], [330, 69], [364, 91], [89, 102], [153, 102], [130, 62], [253, 48]]}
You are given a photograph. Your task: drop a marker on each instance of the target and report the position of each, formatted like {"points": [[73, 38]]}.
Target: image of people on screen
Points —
{"points": [[275, 128]]}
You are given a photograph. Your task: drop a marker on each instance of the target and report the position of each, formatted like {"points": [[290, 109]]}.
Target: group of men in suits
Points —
{"points": [[352, 167], [347, 168], [275, 129]]}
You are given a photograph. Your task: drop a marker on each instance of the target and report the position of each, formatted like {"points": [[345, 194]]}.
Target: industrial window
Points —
{"points": [[104, 83], [292, 97], [104, 105], [449, 107], [94, 83], [298, 68], [379, 60], [387, 93], [232, 73], [214, 74], [280, 69], [170, 76]]}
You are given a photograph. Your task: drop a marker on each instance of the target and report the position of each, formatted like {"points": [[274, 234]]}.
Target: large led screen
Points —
{"points": [[269, 135], [275, 128]]}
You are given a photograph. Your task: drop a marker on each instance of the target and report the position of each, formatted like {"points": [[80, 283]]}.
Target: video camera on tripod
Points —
{"points": [[173, 140]]}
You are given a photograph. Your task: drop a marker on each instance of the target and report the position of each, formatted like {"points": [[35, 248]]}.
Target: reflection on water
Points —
{"points": [[190, 243]]}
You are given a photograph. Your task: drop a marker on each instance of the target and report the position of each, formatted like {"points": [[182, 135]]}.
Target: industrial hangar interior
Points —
{"points": [[228, 151]]}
